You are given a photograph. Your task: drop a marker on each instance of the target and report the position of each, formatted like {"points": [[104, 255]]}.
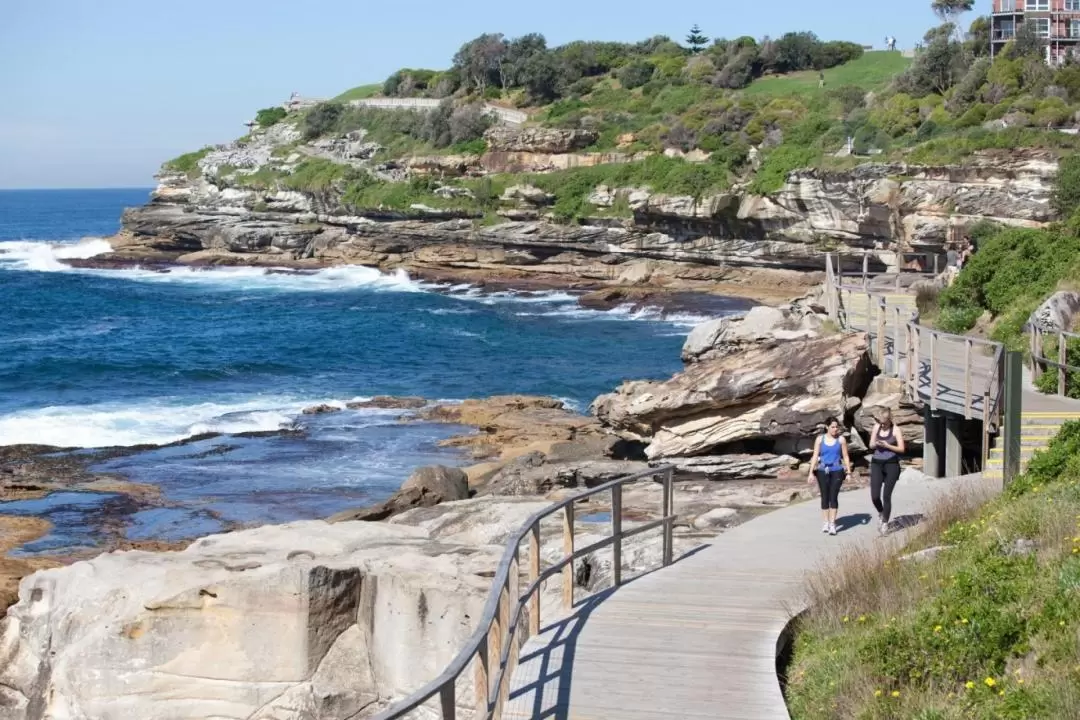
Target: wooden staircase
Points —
{"points": [[1036, 430]]}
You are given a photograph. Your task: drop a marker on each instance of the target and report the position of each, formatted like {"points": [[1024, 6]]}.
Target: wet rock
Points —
{"points": [[388, 402], [321, 409]]}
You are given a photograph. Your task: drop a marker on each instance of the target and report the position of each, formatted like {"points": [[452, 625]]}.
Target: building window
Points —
{"points": [[1036, 5], [1074, 28], [1006, 30], [1072, 5], [1041, 26], [1009, 5]]}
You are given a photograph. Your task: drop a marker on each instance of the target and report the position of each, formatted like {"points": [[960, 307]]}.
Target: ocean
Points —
{"points": [[103, 358]]}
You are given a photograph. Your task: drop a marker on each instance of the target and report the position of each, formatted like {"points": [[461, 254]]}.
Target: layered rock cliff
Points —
{"points": [[211, 216]]}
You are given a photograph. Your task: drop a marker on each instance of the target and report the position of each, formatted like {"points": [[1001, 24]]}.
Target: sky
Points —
{"points": [[98, 93]]}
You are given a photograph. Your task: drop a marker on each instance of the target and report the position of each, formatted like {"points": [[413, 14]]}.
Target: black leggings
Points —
{"points": [[829, 483], [883, 477]]}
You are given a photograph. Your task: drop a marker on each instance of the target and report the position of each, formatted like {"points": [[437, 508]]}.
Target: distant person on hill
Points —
{"points": [[829, 465], [887, 442]]}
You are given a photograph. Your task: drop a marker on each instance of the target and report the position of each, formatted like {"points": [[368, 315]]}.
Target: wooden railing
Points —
{"points": [[962, 374], [903, 263], [494, 646], [1040, 363]]}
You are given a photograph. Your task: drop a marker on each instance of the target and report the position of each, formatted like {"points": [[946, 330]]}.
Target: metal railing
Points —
{"points": [[1041, 364], [977, 399], [494, 647]]}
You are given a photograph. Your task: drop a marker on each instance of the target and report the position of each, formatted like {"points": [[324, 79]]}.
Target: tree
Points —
{"points": [[949, 11], [696, 40], [479, 61], [978, 37], [518, 53], [269, 116]]}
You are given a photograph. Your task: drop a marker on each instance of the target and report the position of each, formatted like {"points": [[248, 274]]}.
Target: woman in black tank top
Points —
{"points": [[887, 442]]}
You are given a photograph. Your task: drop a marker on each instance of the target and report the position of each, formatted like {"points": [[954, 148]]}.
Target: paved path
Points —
{"points": [[698, 639]]}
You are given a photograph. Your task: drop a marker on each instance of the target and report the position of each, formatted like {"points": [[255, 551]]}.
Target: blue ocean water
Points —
{"points": [[98, 358]]}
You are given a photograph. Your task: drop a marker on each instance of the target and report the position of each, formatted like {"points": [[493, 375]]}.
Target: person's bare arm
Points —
{"points": [[814, 459], [874, 436], [900, 448], [847, 460]]}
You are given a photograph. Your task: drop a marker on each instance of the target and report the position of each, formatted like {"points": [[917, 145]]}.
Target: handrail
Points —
{"points": [[496, 634], [1040, 363], [992, 393]]}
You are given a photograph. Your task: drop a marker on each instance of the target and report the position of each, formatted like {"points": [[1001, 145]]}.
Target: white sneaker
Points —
{"points": [[884, 528], [832, 529], [825, 528]]}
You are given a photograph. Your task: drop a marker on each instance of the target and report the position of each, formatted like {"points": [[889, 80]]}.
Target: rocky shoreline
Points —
{"points": [[362, 611]]}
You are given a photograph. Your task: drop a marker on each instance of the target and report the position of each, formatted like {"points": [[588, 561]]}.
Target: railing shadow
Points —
{"points": [[557, 647]]}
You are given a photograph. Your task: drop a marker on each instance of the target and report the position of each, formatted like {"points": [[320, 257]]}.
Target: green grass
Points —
{"points": [[188, 162], [978, 631], [872, 71], [361, 92]]}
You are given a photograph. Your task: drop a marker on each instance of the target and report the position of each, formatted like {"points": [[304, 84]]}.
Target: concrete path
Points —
{"points": [[699, 639]]}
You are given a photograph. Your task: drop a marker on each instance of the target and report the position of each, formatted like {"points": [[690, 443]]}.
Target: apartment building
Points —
{"points": [[1056, 21]]}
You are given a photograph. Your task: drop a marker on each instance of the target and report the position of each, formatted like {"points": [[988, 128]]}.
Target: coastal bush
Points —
{"points": [[985, 627], [321, 119], [188, 162], [270, 116]]}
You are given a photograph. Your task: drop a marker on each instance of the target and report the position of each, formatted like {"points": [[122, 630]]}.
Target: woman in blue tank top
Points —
{"points": [[829, 465]]}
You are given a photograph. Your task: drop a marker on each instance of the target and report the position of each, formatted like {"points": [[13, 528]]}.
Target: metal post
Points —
{"points": [[1061, 363], [669, 512], [616, 533], [1013, 402]]}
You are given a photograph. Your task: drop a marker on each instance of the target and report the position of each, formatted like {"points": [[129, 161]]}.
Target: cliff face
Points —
{"points": [[669, 240]]}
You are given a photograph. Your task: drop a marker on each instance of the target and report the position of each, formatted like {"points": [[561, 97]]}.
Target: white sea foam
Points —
{"points": [[48, 257], [154, 422]]}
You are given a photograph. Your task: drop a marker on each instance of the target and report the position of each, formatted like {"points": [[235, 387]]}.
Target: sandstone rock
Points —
{"points": [[736, 466], [286, 622], [320, 409], [886, 392], [925, 554], [538, 139], [532, 474], [425, 487], [720, 517], [767, 392], [528, 194], [724, 336], [1057, 312]]}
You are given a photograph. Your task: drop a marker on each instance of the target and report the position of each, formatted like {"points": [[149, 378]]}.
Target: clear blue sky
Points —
{"points": [[98, 94]]}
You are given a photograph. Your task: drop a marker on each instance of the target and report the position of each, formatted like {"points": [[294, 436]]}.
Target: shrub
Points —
{"points": [[636, 74], [270, 116], [1066, 194], [468, 123], [188, 162], [778, 165], [322, 119]]}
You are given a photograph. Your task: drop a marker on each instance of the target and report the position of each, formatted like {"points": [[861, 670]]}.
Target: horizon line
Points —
{"points": [[84, 187]]}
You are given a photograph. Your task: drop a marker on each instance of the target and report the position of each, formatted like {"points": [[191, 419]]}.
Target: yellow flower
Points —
{"points": [[937, 629], [969, 685], [964, 620], [877, 693], [1001, 692], [1020, 680], [846, 618], [1062, 623], [990, 682], [862, 618]]}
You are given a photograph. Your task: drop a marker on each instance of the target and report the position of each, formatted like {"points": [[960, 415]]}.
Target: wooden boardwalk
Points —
{"points": [[698, 640]]}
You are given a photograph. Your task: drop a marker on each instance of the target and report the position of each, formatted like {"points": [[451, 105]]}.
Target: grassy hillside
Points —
{"points": [[987, 627], [871, 72], [740, 111]]}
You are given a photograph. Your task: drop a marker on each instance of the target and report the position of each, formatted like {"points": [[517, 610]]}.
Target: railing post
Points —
{"points": [[916, 363], [881, 333], [1013, 400], [1061, 363], [568, 552], [669, 513], [967, 378], [986, 430], [482, 679], [448, 701], [534, 575], [503, 691], [616, 533], [865, 271], [935, 265], [933, 369]]}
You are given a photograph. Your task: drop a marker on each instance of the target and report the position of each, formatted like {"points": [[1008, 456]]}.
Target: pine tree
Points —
{"points": [[696, 40]]}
